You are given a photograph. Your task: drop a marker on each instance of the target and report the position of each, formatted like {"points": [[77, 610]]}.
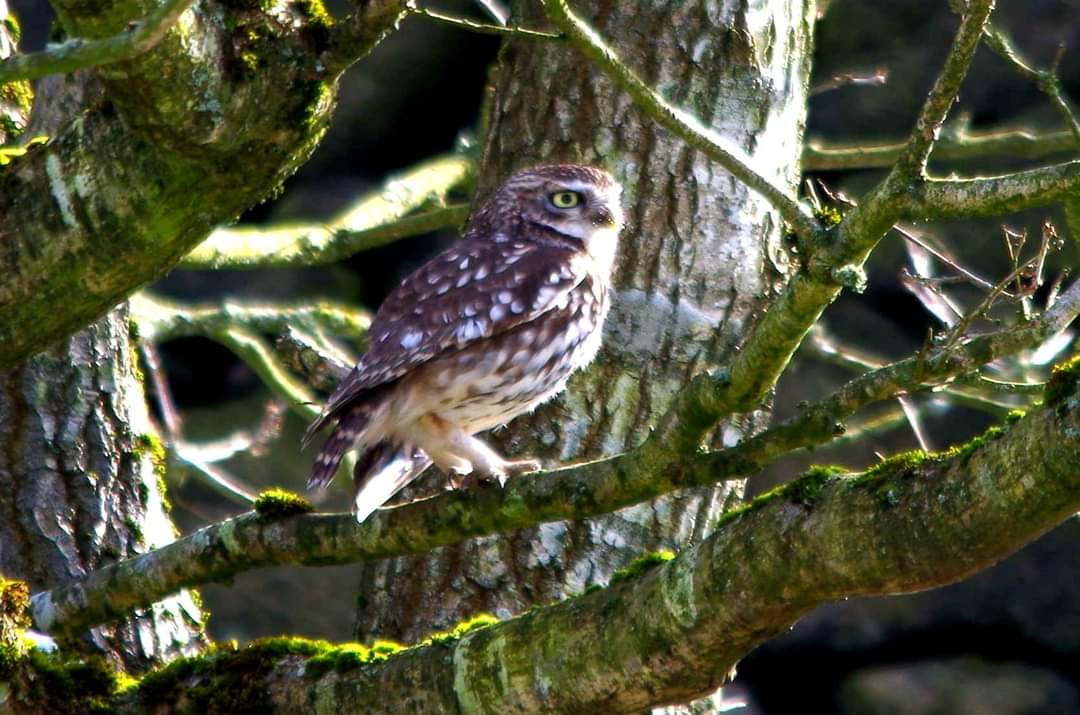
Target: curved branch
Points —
{"points": [[182, 171], [991, 195], [77, 54], [912, 161]]}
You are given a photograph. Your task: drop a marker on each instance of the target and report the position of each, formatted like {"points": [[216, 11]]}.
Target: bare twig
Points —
{"points": [[1046, 80], [77, 54], [877, 79], [465, 23]]}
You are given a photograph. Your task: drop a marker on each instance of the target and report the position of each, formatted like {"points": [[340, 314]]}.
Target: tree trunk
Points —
{"points": [[80, 483], [698, 260]]}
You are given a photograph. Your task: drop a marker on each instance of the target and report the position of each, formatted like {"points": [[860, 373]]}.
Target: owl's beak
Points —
{"points": [[602, 217]]}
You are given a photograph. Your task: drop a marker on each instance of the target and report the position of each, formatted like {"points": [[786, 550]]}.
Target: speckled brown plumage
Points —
{"points": [[487, 330]]}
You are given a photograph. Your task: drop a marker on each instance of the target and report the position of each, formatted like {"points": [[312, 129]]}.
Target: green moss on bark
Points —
{"points": [[641, 564], [11, 23], [281, 503], [1062, 383]]}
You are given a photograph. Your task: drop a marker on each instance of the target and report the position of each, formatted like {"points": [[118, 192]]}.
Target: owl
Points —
{"points": [[483, 332]]}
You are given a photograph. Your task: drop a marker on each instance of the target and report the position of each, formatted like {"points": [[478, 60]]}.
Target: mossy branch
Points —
{"points": [[382, 216], [937, 519], [681, 123], [182, 172], [76, 54], [656, 468]]}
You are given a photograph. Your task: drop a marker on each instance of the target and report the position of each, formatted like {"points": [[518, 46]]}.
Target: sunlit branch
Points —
{"points": [[465, 23], [407, 205]]}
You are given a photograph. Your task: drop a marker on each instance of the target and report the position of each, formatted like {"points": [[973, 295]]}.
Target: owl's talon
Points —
{"points": [[522, 466]]}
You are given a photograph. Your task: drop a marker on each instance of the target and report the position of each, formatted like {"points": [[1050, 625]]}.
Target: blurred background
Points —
{"points": [[1005, 641]]}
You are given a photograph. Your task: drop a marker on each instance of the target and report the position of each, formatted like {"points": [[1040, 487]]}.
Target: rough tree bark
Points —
{"points": [[699, 258], [144, 157], [80, 483]]}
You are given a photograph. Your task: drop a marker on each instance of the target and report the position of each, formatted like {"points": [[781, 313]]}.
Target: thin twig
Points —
{"points": [[484, 28], [926, 246], [1046, 80], [878, 79], [77, 54]]}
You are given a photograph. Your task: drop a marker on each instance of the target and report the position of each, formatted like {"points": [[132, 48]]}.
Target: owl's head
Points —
{"points": [[579, 202]]}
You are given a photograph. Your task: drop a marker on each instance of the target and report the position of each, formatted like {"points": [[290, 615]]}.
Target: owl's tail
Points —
{"points": [[383, 471], [350, 427]]}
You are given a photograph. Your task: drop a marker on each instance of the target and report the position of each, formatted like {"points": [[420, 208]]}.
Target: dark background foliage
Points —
{"points": [[1005, 641]]}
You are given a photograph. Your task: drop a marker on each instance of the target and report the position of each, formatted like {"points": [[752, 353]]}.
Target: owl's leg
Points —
{"points": [[460, 454], [433, 435], [487, 463]]}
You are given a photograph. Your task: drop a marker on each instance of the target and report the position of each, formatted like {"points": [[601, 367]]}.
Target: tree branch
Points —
{"points": [[820, 156], [183, 171], [161, 319], [77, 54], [376, 219], [936, 519], [989, 196], [680, 123], [250, 541], [484, 28], [1046, 80], [912, 161]]}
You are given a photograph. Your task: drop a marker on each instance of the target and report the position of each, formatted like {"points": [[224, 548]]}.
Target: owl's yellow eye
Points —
{"points": [[565, 199]]}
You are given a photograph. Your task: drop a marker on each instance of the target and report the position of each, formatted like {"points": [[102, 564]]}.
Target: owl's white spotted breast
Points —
{"points": [[478, 291], [489, 383]]}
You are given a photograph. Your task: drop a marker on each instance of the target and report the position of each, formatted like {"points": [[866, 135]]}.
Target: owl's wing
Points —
{"points": [[480, 287]]}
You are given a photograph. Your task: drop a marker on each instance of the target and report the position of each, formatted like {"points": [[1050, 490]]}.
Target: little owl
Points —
{"points": [[481, 333]]}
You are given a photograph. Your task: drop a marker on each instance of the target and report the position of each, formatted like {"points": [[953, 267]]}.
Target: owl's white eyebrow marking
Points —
{"points": [[579, 186]]}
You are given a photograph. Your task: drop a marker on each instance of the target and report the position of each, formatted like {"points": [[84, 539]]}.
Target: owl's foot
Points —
{"points": [[497, 472]]}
